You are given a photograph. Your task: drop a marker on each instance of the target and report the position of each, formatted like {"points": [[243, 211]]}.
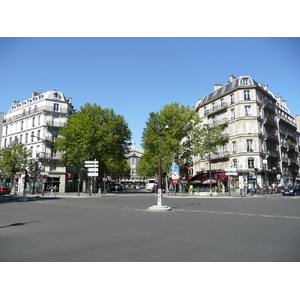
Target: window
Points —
{"points": [[248, 111], [22, 125], [246, 95], [6, 129], [234, 147], [32, 136], [245, 81], [235, 163], [21, 138], [249, 146], [250, 163], [53, 152], [33, 121], [232, 114], [249, 127], [39, 120], [54, 135], [55, 106], [231, 98], [26, 138], [39, 134], [5, 141]]}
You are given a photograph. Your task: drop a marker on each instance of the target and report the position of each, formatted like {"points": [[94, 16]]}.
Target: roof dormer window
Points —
{"points": [[245, 81]]}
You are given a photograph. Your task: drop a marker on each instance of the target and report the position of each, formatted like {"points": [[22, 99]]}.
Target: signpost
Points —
{"points": [[92, 168]]}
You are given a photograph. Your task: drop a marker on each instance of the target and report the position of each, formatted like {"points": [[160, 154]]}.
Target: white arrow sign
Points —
{"points": [[92, 174], [93, 169], [91, 164]]}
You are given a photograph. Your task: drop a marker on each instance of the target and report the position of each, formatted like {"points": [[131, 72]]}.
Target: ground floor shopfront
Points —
{"points": [[241, 179]]}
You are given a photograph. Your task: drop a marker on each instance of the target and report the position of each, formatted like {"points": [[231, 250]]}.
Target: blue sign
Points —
{"points": [[174, 169]]}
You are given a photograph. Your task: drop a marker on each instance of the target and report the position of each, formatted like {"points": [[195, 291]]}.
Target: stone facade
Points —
{"points": [[263, 142], [36, 122]]}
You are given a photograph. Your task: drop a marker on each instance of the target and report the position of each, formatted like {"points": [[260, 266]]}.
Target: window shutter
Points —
{"points": [[255, 162], [255, 145], [242, 94], [245, 145]]}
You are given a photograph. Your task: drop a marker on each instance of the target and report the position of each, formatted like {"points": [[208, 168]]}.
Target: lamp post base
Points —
{"points": [[160, 208]]}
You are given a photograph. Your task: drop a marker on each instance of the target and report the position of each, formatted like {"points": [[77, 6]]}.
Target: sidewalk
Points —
{"points": [[38, 196], [204, 195]]}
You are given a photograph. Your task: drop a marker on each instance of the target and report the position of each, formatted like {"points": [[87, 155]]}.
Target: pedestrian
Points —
{"points": [[116, 187], [171, 188], [51, 189]]}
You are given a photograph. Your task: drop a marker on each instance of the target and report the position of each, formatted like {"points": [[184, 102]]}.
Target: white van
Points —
{"points": [[150, 184]]}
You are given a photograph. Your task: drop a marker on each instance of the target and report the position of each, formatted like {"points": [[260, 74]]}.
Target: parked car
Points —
{"points": [[4, 191], [291, 190]]}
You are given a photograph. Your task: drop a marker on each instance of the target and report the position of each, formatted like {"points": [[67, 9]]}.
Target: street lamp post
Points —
{"points": [[160, 206], [209, 159], [45, 141]]}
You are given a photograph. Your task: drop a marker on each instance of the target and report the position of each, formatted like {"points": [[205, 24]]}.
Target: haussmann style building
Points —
{"points": [[36, 122], [263, 142]]}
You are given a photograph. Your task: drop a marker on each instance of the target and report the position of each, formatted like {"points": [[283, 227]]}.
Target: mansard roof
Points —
{"points": [[233, 84], [36, 97]]}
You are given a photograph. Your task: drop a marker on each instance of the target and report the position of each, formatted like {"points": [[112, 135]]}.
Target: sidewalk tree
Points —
{"points": [[98, 134], [13, 159], [183, 139]]}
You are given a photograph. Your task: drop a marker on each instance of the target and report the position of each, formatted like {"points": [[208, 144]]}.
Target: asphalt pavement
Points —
{"points": [[119, 227]]}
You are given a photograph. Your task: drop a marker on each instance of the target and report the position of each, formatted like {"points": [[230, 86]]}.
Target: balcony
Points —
{"points": [[270, 120], [55, 124], [289, 121], [49, 156], [269, 106], [271, 136], [218, 122], [273, 154], [215, 109]]}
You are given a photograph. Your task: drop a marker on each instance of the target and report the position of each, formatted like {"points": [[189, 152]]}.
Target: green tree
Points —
{"points": [[183, 138], [98, 134], [13, 159], [178, 139]]}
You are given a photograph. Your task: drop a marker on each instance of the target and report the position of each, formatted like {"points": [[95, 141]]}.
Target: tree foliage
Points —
{"points": [[98, 134], [178, 139], [13, 159], [183, 139]]}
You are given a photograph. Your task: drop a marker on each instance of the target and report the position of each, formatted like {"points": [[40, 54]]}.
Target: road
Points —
{"points": [[120, 228]]}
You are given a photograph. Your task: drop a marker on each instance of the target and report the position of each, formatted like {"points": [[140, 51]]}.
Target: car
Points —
{"points": [[4, 191], [162, 188], [291, 190]]}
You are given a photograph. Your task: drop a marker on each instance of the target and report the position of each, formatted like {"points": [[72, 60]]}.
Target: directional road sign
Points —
{"points": [[93, 169], [174, 169], [93, 174]]}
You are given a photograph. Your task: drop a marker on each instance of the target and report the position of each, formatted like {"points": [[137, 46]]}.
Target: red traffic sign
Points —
{"points": [[175, 181]]}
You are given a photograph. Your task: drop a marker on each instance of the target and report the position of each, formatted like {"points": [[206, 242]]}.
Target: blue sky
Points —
{"points": [[136, 76]]}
